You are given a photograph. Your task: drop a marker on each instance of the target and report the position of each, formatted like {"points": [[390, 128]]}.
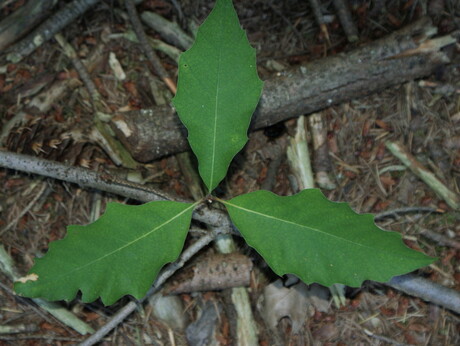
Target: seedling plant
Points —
{"points": [[305, 234]]}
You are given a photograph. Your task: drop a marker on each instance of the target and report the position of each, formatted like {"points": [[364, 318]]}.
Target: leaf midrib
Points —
{"points": [[126, 245], [216, 113], [297, 224]]}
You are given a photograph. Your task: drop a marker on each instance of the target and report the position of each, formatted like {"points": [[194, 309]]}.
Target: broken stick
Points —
{"points": [[398, 150]]}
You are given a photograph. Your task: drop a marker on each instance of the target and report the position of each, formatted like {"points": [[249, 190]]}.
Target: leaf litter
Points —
{"points": [[355, 131]]}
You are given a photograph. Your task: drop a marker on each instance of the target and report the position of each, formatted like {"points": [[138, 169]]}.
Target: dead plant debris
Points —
{"points": [[423, 115]]}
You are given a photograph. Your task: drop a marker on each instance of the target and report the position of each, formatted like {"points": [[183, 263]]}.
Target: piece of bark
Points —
{"points": [[216, 272], [321, 158], [21, 21], [151, 134], [299, 157]]}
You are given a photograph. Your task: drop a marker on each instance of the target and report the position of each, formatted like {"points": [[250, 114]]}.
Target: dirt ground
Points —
{"points": [[425, 117]]}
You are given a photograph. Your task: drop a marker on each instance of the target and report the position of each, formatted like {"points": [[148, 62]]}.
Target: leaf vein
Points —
{"points": [[127, 244], [300, 225]]}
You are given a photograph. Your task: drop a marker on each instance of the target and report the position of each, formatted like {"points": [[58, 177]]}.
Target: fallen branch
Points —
{"points": [[427, 290], [48, 29], [152, 133], [146, 48], [346, 20], [22, 20], [170, 31], [409, 284]]}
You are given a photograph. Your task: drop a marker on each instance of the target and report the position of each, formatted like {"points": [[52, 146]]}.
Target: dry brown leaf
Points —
{"points": [[286, 302]]}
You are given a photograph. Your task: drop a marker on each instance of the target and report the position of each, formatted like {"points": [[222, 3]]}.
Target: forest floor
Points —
{"points": [[424, 119]]}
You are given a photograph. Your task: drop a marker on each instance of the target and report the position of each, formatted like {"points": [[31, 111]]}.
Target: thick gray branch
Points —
{"points": [[427, 290], [22, 20], [152, 133]]}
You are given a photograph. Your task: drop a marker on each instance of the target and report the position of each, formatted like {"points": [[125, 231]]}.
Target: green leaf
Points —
{"points": [[319, 240], [120, 253], [217, 92]]}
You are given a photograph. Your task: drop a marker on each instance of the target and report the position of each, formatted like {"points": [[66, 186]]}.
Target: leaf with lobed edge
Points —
{"points": [[121, 253], [218, 90], [319, 240]]}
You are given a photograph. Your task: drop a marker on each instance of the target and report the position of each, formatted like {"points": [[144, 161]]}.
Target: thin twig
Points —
{"points": [[102, 134], [70, 52], [346, 20], [169, 31], [320, 19], [439, 238], [78, 175], [398, 150], [147, 49], [401, 211], [105, 182], [165, 274], [383, 338]]}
